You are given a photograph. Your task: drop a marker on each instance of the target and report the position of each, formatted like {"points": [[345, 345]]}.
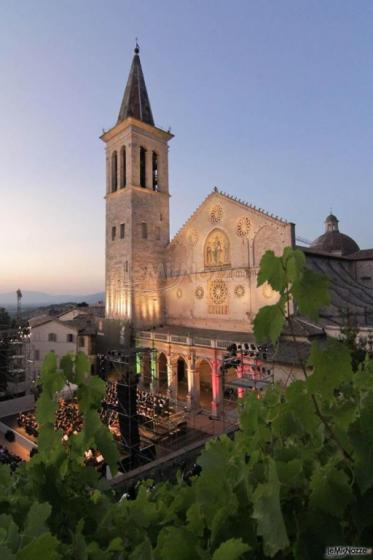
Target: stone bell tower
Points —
{"points": [[137, 208]]}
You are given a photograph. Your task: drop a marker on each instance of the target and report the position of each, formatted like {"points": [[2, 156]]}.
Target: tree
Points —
{"points": [[297, 477]]}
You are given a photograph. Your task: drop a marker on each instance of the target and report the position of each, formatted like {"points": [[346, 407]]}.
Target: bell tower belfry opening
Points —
{"points": [[137, 208]]}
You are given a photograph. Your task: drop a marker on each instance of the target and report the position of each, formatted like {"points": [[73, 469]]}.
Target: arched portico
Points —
{"points": [[182, 378], [162, 373], [204, 371]]}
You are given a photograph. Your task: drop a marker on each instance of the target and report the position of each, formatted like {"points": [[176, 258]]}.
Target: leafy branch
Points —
{"points": [[303, 289]]}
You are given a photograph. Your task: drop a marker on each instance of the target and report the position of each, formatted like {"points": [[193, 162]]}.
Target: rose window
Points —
{"points": [[218, 291], [216, 214], [243, 227], [239, 291]]}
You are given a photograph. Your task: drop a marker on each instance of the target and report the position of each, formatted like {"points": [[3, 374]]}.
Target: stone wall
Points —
{"points": [[225, 296]]}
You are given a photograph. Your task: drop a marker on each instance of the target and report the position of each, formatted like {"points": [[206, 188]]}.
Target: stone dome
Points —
{"points": [[333, 241]]}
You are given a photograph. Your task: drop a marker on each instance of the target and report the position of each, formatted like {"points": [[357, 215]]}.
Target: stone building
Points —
{"points": [[350, 271], [72, 331], [190, 297]]}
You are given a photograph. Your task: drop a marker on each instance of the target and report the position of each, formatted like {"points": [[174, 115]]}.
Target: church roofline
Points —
{"points": [[232, 198], [260, 211]]}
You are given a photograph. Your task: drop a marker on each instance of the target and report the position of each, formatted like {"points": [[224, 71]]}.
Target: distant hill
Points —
{"points": [[35, 299]]}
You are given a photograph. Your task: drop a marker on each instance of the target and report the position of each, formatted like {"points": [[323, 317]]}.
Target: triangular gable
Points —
{"points": [[216, 193]]}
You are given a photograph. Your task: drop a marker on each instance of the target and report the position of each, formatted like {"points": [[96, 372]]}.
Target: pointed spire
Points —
{"points": [[135, 101]]}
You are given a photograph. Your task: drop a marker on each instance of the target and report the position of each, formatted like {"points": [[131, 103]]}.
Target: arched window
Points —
{"points": [[114, 171], [142, 167], [69, 338], [155, 171], [123, 165], [52, 337]]}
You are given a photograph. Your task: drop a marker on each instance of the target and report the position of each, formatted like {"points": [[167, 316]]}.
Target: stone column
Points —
{"points": [[133, 162], [192, 397], [240, 390], [149, 169], [172, 382], [217, 389], [154, 374]]}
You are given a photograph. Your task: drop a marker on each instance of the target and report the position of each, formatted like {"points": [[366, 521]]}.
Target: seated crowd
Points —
{"points": [[153, 405], [68, 419], [28, 421], [150, 406], [8, 458]]}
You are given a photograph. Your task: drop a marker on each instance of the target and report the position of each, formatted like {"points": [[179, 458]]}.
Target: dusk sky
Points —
{"points": [[272, 101]]}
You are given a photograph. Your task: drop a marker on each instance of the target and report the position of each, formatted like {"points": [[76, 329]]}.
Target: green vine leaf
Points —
{"points": [[233, 549], [272, 271], [6, 554], [332, 367], [268, 514], [330, 490], [36, 520], [269, 322], [310, 291], [45, 546]]}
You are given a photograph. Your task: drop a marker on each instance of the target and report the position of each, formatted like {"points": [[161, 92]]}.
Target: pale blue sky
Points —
{"points": [[269, 100]]}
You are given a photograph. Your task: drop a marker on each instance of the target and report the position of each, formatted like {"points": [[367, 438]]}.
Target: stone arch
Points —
{"points": [[181, 374], [146, 368], [216, 250], [204, 367], [266, 238], [162, 372]]}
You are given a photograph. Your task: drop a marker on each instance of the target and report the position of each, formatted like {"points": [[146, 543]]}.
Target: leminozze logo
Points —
{"points": [[347, 551]]}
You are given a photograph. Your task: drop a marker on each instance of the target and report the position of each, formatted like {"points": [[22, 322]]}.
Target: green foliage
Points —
{"points": [[297, 477], [267, 512], [296, 285]]}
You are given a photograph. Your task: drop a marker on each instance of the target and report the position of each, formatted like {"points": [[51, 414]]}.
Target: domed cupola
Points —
{"points": [[333, 241]]}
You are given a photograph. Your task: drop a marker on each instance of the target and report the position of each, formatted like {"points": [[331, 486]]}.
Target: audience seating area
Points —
{"points": [[154, 411], [8, 458]]}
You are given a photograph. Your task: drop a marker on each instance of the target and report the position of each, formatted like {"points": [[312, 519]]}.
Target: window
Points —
{"points": [[126, 266], [113, 233], [52, 337], [36, 355], [70, 338], [155, 171], [157, 233], [123, 167], [122, 231], [81, 341], [142, 167], [114, 172], [144, 230]]}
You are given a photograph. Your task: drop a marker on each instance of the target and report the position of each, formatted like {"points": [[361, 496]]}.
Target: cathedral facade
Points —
{"points": [[191, 296]]}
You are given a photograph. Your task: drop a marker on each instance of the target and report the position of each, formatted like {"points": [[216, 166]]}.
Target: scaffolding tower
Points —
{"points": [[14, 362]]}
